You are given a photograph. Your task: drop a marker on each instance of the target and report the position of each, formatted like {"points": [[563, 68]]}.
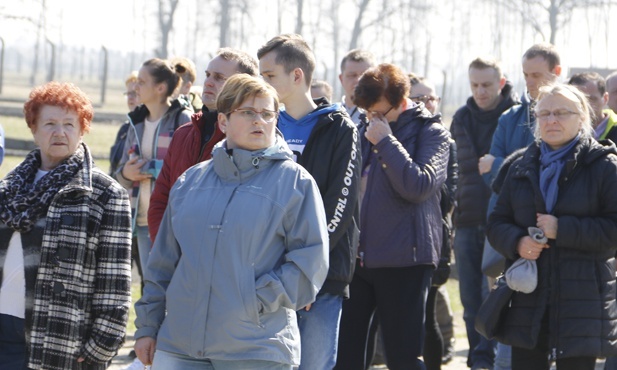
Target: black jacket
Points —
{"points": [[472, 129], [448, 189], [332, 156], [576, 275]]}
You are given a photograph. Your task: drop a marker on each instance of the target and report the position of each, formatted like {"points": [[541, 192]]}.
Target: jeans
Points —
{"points": [[473, 286], [503, 358], [319, 328], [166, 360], [143, 245], [13, 355]]}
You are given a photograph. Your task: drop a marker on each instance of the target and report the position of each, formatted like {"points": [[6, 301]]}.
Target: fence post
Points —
{"points": [[1, 63], [104, 74], [52, 68]]}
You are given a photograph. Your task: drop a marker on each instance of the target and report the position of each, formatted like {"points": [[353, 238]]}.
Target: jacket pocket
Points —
{"points": [[65, 323], [251, 304]]}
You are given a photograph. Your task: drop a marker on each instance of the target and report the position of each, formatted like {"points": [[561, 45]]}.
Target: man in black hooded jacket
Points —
{"points": [[472, 128]]}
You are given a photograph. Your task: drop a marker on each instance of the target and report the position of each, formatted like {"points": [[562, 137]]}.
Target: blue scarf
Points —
{"points": [[551, 164]]}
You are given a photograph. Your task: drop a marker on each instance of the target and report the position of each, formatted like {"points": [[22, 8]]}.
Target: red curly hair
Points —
{"points": [[58, 94]]}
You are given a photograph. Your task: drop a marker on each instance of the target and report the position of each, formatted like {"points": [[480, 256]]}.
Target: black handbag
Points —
{"points": [[493, 310]]}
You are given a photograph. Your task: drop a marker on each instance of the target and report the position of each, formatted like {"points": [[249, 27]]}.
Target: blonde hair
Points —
{"points": [[185, 68], [240, 87], [131, 79]]}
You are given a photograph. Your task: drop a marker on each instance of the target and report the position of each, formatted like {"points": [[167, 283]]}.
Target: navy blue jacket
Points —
{"points": [[401, 222]]}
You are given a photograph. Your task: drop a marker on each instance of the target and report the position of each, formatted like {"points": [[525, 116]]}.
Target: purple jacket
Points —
{"points": [[400, 218]]}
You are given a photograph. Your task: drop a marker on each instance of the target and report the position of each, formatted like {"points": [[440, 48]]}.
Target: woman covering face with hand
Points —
{"points": [[405, 153], [65, 244], [242, 245], [564, 183]]}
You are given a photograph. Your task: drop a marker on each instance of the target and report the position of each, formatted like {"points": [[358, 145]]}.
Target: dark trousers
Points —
{"points": [[13, 355], [433, 341], [538, 357], [398, 297]]}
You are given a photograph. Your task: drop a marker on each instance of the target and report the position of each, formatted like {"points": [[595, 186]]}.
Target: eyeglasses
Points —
{"points": [[130, 94], [559, 115], [250, 114], [383, 114], [424, 98]]}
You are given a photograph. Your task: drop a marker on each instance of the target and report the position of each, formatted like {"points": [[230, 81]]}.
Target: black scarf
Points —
{"points": [[22, 202]]}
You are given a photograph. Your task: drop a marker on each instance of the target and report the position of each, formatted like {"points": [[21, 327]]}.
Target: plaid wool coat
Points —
{"points": [[82, 291]]}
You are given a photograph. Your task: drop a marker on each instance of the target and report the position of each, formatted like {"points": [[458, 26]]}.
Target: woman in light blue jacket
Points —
{"points": [[242, 246]]}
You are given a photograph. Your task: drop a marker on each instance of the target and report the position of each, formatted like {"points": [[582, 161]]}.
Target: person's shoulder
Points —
{"points": [[103, 183], [461, 115], [513, 113], [293, 171], [337, 117]]}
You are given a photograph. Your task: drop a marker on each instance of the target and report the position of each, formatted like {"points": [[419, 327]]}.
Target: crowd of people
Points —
{"points": [[355, 209]]}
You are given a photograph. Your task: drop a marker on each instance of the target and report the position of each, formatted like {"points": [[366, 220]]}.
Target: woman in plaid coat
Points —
{"points": [[64, 245]]}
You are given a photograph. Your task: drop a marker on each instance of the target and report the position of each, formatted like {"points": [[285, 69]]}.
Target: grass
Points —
{"points": [[99, 140]]}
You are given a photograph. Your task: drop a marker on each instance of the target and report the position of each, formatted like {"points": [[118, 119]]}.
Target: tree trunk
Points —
{"points": [[357, 27], [39, 28], [553, 16], [224, 26], [166, 22], [299, 21]]}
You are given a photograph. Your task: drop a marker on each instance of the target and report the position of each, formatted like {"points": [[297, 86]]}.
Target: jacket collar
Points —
{"points": [[238, 165]]}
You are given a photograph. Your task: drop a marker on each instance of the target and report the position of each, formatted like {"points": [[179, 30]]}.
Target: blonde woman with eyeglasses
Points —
{"points": [[564, 183]]}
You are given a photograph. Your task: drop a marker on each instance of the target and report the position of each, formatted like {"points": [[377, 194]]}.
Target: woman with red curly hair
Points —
{"points": [[65, 236]]}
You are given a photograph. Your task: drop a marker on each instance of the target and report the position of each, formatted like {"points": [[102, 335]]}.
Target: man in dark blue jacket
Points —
{"points": [[472, 128], [325, 142]]}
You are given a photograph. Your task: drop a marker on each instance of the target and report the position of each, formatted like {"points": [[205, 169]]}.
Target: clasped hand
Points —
{"points": [[530, 249]]}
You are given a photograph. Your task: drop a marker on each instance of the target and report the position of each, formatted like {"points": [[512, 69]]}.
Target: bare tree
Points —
{"points": [[334, 14], [225, 20], [167, 9], [40, 28], [357, 27], [554, 13], [299, 21]]}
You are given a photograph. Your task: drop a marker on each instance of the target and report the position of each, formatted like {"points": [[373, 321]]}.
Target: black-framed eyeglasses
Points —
{"points": [[424, 98], [383, 114], [251, 114]]}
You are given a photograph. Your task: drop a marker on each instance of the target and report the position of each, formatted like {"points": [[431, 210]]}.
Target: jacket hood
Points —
{"points": [[240, 164], [415, 111], [509, 98], [323, 108]]}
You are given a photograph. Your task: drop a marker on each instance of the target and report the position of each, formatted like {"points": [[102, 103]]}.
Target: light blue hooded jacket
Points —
{"points": [[243, 244]]}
